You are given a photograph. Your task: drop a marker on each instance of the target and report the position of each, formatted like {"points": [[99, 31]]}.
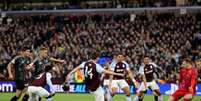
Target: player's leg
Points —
{"points": [[140, 93], [188, 97], [26, 95], [114, 87], [19, 90], [32, 93], [125, 87], [107, 94], [176, 95], [157, 94], [41, 92], [17, 96], [99, 94]]}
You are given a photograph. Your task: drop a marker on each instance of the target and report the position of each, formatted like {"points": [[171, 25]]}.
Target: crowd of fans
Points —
{"points": [[9, 6], [166, 38]]}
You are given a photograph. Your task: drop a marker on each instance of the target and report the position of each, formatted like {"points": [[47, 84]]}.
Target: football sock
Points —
{"points": [[128, 98], [25, 97], [156, 98], [160, 98], [136, 98]]}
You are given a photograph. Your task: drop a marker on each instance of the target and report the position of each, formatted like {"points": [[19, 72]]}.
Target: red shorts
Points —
{"points": [[180, 93]]}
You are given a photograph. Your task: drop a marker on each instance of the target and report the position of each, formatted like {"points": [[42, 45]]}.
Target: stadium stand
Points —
{"points": [[166, 37]]}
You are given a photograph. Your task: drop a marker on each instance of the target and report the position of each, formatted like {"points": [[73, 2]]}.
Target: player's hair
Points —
{"points": [[146, 56], [94, 55], [119, 53], [198, 61], [48, 67], [43, 48], [25, 48], [188, 60]]}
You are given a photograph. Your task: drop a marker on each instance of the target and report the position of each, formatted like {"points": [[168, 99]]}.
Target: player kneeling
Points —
{"points": [[187, 82], [36, 88]]}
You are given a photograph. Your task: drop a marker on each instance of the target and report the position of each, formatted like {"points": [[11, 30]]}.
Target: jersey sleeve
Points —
{"points": [[13, 60], [112, 66], [99, 69], [49, 82], [82, 65], [127, 66], [141, 70]]}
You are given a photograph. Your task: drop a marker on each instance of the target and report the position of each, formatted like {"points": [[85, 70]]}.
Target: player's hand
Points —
{"points": [[10, 77], [30, 66], [122, 75], [145, 84], [191, 89], [63, 61], [68, 78], [135, 83]]}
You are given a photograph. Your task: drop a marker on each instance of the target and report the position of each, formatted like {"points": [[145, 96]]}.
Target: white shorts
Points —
{"points": [[35, 91], [106, 82], [99, 94], [119, 83], [152, 85]]}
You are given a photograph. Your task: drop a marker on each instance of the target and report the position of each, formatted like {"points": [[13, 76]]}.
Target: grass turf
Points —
{"points": [[85, 97]]}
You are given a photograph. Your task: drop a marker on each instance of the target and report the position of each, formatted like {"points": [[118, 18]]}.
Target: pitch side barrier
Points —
{"points": [[182, 10], [166, 89]]}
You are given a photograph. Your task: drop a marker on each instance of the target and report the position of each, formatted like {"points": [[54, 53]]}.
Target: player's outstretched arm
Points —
{"points": [[112, 73], [57, 60], [71, 72]]}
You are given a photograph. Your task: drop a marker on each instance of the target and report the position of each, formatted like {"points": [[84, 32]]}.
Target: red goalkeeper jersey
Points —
{"points": [[188, 78]]}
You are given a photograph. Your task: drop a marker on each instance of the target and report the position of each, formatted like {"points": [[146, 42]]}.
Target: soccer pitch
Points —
{"points": [[85, 97]]}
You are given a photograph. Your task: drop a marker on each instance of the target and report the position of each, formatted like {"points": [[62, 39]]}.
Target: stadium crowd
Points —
{"points": [[7, 5], [166, 38]]}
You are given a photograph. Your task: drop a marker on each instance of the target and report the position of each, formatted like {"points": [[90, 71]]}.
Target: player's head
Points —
{"points": [[94, 56], [146, 60], [43, 52], [48, 68], [198, 64], [120, 57], [114, 55], [187, 63], [26, 51]]}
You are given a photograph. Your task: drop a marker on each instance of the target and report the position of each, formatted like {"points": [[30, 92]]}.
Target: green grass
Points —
{"points": [[85, 97]]}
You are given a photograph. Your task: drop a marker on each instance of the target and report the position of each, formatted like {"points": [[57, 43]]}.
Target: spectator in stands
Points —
{"points": [[166, 37]]}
